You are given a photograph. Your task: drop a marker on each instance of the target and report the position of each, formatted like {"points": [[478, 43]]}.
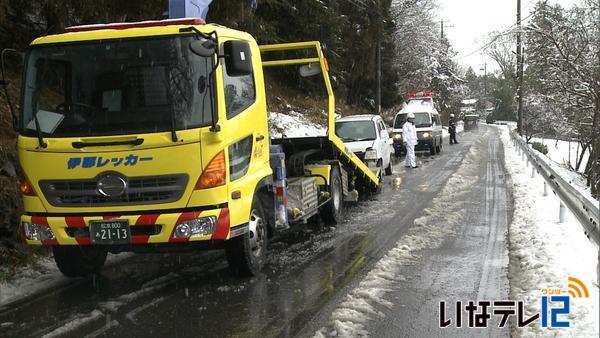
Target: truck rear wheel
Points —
{"points": [[247, 254], [79, 261], [332, 211]]}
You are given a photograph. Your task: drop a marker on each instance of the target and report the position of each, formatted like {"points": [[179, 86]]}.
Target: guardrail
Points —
{"points": [[586, 211]]}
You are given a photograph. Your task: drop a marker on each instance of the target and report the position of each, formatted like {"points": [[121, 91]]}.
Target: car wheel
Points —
{"points": [[246, 254], [432, 149]]}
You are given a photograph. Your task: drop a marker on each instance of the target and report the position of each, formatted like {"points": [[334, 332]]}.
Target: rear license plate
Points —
{"points": [[110, 232]]}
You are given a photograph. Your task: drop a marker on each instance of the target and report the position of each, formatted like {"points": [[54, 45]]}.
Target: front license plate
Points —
{"points": [[110, 232]]}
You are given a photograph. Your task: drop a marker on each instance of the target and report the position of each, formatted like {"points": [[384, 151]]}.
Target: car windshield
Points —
{"points": [[350, 131], [121, 86], [421, 120]]}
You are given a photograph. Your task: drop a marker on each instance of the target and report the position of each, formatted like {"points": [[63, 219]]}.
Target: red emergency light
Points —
{"points": [[141, 24], [419, 95]]}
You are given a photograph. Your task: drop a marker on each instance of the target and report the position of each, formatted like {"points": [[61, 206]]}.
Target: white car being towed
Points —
{"points": [[367, 137]]}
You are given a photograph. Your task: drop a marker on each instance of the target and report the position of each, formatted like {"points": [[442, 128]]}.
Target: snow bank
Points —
{"points": [[293, 124], [360, 306], [544, 253]]}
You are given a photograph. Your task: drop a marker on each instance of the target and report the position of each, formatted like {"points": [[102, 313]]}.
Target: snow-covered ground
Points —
{"points": [[558, 159], [558, 151], [43, 275], [293, 124], [544, 253]]}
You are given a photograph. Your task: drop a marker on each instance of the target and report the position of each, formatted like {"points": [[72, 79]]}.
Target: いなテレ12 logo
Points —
{"points": [[556, 302]]}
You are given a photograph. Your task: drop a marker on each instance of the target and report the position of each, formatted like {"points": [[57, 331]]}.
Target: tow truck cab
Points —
{"points": [[153, 136]]}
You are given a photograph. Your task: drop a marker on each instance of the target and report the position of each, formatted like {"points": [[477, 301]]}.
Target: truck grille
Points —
{"points": [[140, 190]]}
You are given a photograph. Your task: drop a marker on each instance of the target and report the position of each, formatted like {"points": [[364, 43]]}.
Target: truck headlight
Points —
{"points": [[398, 137], [371, 154], [196, 227], [37, 232], [426, 135]]}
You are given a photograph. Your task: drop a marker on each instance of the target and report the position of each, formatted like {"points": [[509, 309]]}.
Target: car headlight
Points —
{"points": [[426, 135], [37, 232], [196, 227], [398, 137], [371, 154]]}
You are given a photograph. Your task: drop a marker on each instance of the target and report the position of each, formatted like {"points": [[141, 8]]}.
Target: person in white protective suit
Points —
{"points": [[409, 135]]}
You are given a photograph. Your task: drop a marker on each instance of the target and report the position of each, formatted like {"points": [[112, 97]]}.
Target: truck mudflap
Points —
{"points": [[150, 228], [315, 57]]}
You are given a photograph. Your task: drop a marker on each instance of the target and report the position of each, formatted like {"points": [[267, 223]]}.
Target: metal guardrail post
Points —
{"points": [[562, 213]]}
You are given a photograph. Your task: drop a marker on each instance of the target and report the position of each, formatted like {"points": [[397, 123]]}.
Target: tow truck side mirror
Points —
{"points": [[238, 58], [203, 47], [310, 69]]}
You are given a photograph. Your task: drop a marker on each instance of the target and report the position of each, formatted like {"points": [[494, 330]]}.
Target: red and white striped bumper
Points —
{"points": [[145, 228]]}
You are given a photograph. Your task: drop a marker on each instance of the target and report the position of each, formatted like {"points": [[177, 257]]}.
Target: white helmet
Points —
{"points": [[451, 115], [410, 116]]}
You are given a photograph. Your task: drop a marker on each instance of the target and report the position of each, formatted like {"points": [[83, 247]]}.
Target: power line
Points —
{"points": [[508, 30]]}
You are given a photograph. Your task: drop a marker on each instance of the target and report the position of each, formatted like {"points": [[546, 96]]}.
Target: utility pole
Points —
{"points": [[484, 79], [519, 72], [442, 29], [378, 94], [378, 56]]}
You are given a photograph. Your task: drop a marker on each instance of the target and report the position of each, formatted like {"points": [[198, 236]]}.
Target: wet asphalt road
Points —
{"points": [[309, 272]]}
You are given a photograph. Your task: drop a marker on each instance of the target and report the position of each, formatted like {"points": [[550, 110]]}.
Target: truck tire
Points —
{"points": [[247, 254], [332, 211], [79, 261], [438, 148], [432, 148]]}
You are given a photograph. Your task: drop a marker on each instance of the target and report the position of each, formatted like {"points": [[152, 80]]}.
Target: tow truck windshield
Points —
{"points": [[121, 86]]}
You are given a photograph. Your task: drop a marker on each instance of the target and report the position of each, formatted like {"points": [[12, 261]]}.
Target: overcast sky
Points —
{"points": [[468, 23]]}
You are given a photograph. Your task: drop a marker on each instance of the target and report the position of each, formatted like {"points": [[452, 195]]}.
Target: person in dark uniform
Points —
{"points": [[452, 129]]}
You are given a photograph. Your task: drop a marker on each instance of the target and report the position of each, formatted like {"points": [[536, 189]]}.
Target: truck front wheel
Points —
{"points": [[332, 211], [79, 261], [246, 254]]}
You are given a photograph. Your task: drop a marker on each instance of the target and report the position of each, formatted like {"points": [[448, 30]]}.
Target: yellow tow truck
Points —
{"points": [[153, 137]]}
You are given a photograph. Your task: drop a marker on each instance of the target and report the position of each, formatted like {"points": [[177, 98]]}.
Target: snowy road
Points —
{"points": [[440, 235]]}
